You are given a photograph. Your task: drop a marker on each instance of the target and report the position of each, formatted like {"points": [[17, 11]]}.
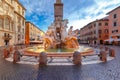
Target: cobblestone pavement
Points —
{"points": [[101, 71]]}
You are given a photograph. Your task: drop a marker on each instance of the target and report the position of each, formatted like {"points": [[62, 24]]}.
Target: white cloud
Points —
{"points": [[97, 11]]}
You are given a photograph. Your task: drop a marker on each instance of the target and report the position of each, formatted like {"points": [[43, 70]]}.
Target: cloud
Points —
{"points": [[78, 12], [98, 10]]}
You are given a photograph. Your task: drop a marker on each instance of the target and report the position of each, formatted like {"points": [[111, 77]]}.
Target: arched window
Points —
{"points": [[7, 23]]}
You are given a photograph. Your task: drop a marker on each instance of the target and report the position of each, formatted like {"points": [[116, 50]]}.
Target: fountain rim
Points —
{"points": [[82, 52]]}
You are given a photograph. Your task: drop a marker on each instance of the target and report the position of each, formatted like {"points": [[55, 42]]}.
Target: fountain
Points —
{"points": [[57, 38], [58, 42]]}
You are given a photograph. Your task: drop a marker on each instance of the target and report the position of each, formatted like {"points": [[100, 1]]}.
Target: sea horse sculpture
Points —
{"points": [[48, 39], [71, 40]]}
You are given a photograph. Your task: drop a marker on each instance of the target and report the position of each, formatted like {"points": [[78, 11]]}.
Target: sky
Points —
{"points": [[78, 12]]}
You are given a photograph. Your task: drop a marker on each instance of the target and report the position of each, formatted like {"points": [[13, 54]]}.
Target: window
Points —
{"points": [[23, 31], [94, 32], [114, 31], [99, 36], [118, 37], [18, 7], [106, 36], [1, 23], [106, 24], [22, 36], [100, 24], [115, 24], [23, 12], [91, 26], [18, 19], [23, 22], [7, 23], [19, 37], [106, 31], [115, 15], [19, 28], [100, 31], [1, 3]]}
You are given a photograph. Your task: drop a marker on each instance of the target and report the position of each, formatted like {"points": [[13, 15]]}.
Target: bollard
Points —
{"points": [[16, 56], [42, 59], [77, 58], [11, 48], [101, 47], [107, 50], [112, 52], [103, 56], [6, 53]]}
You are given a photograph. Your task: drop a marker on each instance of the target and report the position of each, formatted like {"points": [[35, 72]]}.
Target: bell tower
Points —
{"points": [[58, 11]]}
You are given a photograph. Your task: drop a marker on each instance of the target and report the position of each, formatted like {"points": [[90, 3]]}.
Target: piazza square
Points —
{"points": [[59, 40]]}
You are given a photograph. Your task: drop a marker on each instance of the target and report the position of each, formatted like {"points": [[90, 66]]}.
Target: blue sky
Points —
{"points": [[78, 12]]}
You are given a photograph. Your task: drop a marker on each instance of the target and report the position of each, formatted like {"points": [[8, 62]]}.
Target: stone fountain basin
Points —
{"points": [[37, 50]]}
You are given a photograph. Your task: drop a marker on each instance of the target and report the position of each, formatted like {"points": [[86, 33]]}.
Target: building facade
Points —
{"points": [[12, 22], [114, 24], [95, 32], [33, 34]]}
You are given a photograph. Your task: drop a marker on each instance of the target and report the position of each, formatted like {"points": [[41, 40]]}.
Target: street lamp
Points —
{"points": [[7, 38]]}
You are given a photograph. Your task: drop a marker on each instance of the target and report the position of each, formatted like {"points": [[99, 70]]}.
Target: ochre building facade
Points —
{"points": [[114, 25], [12, 22], [33, 34]]}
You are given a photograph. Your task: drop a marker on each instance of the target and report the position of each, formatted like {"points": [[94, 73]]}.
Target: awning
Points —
{"points": [[36, 42], [116, 39], [109, 40], [112, 39]]}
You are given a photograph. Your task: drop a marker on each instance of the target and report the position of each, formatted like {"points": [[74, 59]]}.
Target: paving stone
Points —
{"points": [[99, 71]]}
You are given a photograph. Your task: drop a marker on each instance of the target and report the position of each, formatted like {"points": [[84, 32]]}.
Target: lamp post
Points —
{"points": [[7, 38]]}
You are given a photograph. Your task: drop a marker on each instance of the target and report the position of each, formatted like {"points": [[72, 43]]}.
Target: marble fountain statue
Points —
{"points": [[58, 37]]}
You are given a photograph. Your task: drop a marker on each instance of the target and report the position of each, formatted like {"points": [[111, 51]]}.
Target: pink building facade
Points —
{"points": [[95, 32], [103, 31], [114, 25]]}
